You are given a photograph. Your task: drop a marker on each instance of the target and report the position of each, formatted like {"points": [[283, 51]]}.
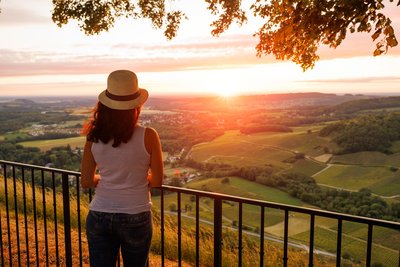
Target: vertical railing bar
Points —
{"points": [[1, 238], [197, 231], [339, 243], [162, 229], [67, 220], [1, 234], [90, 195], [7, 214], [45, 218], [240, 225], [78, 201], [55, 217], [16, 215], [179, 230], [35, 217], [369, 245], [217, 232], [285, 239], [262, 237], [25, 215], [311, 246]]}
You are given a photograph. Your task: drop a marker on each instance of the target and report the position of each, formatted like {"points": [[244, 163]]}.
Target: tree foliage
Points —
{"points": [[365, 133], [291, 29]]}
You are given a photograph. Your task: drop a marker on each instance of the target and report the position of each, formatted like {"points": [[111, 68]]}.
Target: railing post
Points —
{"points": [[162, 229], [217, 232], [67, 220]]}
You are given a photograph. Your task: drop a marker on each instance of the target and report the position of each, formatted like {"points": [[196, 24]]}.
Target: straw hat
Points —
{"points": [[123, 91]]}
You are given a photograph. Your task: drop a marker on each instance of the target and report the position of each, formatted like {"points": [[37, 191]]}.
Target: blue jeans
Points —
{"points": [[108, 232]]}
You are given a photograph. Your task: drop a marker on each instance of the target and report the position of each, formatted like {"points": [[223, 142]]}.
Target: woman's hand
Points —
{"points": [[96, 179]]}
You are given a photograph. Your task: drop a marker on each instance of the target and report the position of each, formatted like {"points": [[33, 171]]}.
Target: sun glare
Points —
{"points": [[226, 93]]}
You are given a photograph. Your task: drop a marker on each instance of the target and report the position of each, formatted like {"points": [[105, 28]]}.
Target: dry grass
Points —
{"points": [[20, 258]]}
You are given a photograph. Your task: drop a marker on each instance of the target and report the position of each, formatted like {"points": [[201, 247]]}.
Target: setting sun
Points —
{"points": [[227, 92]]}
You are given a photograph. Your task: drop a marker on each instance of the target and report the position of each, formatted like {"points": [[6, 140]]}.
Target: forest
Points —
{"points": [[365, 133]]}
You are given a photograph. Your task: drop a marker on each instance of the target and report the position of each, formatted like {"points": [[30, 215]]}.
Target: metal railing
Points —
{"points": [[40, 229]]}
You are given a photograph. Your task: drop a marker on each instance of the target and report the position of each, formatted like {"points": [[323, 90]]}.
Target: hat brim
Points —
{"points": [[124, 105]]}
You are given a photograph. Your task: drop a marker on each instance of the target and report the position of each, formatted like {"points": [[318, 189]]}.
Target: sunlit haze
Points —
{"points": [[37, 58]]}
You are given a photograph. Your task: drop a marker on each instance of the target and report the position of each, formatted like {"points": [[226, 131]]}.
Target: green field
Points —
{"points": [[352, 247], [244, 188], [354, 177], [353, 171], [395, 148], [368, 158], [238, 187], [308, 143], [259, 149], [15, 135], [307, 167], [48, 144]]}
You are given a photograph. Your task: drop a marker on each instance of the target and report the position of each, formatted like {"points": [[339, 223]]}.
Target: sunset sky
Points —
{"points": [[37, 58]]}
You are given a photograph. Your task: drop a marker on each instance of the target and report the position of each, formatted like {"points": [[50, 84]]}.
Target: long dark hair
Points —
{"points": [[111, 124]]}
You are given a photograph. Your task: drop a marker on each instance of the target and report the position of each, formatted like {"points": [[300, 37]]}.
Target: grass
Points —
{"points": [[368, 158], [307, 167], [355, 177], [244, 188], [15, 135], [387, 187], [262, 148], [395, 148], [232, 149], [352, 248], [237, 187], [45, 145]]}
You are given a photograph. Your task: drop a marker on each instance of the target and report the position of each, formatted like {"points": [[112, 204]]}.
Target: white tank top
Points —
{"points": [[123, 187]]}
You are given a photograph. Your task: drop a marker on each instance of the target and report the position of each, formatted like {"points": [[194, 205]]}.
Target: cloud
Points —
{"points": [[232, 51], [382, 79], [14, 16]]}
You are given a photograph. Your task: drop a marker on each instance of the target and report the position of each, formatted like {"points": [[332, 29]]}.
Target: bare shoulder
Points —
{"points": [[88, 144], [151, 139], [151, 133]]}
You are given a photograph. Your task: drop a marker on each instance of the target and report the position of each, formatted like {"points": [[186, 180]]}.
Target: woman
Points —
{"points": [[128, 158]]}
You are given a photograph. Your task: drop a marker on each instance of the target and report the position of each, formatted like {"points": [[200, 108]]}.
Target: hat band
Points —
{"points": [[122, 97]]}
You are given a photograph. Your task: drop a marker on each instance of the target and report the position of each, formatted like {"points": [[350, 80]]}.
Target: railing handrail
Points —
{"points": [[37, 167], [263, 203], [268, 204]]}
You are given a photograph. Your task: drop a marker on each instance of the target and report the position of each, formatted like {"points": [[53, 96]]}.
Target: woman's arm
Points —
{"points": [[153, 147], [88, 168]]}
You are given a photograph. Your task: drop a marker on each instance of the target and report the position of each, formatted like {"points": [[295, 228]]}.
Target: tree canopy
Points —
{"points": [[292, 29]]}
